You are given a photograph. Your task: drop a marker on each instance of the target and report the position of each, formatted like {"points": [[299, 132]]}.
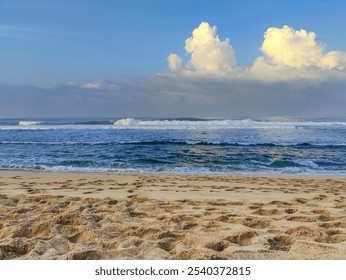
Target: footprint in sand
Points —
{"points": [[165, 234], [304, 231], [86, 255], [291, 210], [305, 219], [36, 230], [257, 223], [280, 243], [267, 212], [242, 239], [168, 244], [18, 249], [336, 239], [338, 224], [218, 246], [33, 191], [256, 206]]}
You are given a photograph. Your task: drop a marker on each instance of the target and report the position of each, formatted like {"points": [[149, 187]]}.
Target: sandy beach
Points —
{"points": [[112, 216]]}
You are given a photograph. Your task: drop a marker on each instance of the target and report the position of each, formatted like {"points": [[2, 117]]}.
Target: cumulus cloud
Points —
{"points": [[174, 62], [290, 53], [287, 54], [292, 48], [335, 60], [208, 53], [299, 48]]}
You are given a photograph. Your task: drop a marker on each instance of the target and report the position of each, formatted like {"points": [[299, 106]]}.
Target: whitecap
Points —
{"points": [[127, 121], [28, 123]]}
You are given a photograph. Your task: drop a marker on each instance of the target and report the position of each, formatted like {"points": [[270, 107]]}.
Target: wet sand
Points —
{"points": [[112, 216]]}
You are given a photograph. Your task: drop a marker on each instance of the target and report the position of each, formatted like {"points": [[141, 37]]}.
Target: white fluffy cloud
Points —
{"points": [[287, 54], [208, 53], [174, 62], [335, 60], [292, 48]]}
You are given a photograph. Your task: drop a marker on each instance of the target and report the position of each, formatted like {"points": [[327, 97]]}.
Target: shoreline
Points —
{"points": [[289, 175], [48, 215]]}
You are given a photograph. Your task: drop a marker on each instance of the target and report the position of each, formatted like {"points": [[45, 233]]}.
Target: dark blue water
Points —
{"points": [[280, 146]]}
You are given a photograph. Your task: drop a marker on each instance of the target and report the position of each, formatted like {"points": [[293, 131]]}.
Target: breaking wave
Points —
{"points": [[131, 123], [29, 123], [172, 124]]}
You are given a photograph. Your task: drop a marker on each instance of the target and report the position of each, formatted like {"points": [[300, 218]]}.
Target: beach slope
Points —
{"points": [[112, 216]]}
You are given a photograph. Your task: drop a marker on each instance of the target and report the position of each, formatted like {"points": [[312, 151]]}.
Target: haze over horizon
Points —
{"points": [[199, 59]]}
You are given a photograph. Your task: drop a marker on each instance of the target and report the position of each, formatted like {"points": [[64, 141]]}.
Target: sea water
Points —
{"points": [[182, 145]]}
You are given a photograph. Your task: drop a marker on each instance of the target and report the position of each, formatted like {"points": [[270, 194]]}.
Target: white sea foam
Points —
{"points": [[131, 123], [184, 124], [307, 162], [127, 121], [176, 170], [28, 123]]}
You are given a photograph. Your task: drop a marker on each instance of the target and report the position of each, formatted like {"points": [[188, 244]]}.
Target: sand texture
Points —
{"points": [[109, 216]]}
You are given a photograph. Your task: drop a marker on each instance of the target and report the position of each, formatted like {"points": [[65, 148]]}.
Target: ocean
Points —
{"points": [[182, 145]]}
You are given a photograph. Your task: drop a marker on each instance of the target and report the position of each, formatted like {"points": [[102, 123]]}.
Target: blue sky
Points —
{"points": [[46, 43], [56, 41]]}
